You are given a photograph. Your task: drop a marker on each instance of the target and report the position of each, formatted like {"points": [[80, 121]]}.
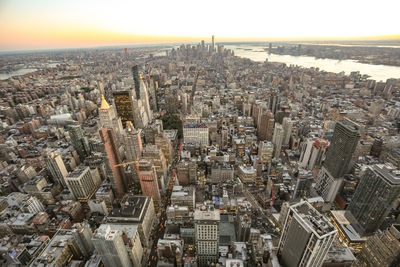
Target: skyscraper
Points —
{"points": [[206, 223], [287, 130], [277, 140], [266, 125], [78, 140], [375, 195], [154, 154], [81, 184], [123, 100], [133, 142], [133, 104], [118, 181], [382, 249], [135, 75], [148, 181], [111, 247], [274, 102], [306, 237], [107, 117], [344, 142], [213, 42], [83, 237], [56, 167]]}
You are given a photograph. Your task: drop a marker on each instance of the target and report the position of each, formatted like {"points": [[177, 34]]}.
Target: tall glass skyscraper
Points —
{"points": [[375, 195]]}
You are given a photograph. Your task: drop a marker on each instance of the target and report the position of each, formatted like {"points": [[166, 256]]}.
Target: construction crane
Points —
{"points": [[131, 162], [128, 163]]}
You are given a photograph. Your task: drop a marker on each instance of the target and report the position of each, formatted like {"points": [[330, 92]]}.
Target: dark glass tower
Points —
{"points": [[78, 140], [376, 193], [344, 142], [124, 105], [135, 74]]}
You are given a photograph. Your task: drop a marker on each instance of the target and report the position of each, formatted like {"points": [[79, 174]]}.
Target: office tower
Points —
{"points": [[78, 140], [135, 75], [107, 117], [302, 188], [123, 100], [183, 196], [135, 210], [31, 204], [312, 152], [118, 181], [381, 249], [247, 174], [344, 142], [133, 142], [163, 142], [60, 250], [148, 181], [80, 183], [206, 224], [111, 248], [153, 94], [196, 134], [277, 140], [141, 104], [375, 195], [306, 237], [56, 167], [186, 172], [152, 130], [220, 173], [265, 125], [274, 102], [306, 149], [287, 130], [213, 42], [83, 237], [154, 154]]}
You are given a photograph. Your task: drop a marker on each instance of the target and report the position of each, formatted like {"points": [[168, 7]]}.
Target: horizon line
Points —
{"points": [[385, 38]]}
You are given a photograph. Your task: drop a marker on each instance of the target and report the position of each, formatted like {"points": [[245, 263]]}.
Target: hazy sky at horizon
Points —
{"points": [[34, 24]]}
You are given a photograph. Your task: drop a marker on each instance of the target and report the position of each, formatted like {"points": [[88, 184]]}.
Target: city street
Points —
{"points": [[160, 228]]}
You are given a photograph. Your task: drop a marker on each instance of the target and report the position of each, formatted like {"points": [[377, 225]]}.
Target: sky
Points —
{"points": [[43, 24]]}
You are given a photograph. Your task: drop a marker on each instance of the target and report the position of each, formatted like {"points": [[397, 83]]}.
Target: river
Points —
{"points": [[377, 72], [5, 76]]}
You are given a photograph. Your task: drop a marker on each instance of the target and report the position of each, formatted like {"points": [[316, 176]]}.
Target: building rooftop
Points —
{"points": [[348, 224], [388, 172], [312, 219], [206, 213], [78, 171], [133, 209]]}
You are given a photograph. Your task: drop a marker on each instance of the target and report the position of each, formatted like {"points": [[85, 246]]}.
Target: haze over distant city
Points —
{"points": [[44, 24]]}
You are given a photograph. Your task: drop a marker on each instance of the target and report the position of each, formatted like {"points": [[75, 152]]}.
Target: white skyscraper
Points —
{"points": [[277, 140], [56, 167], [306, 148], [206, 221], [287, 130], [80, 182], [306, 237]]}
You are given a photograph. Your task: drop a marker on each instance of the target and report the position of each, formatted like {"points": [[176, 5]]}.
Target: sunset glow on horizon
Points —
{"points": [[44, 24]]}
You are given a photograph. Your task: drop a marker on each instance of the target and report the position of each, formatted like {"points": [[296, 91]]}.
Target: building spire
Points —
{"points": [[104, 104]]}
